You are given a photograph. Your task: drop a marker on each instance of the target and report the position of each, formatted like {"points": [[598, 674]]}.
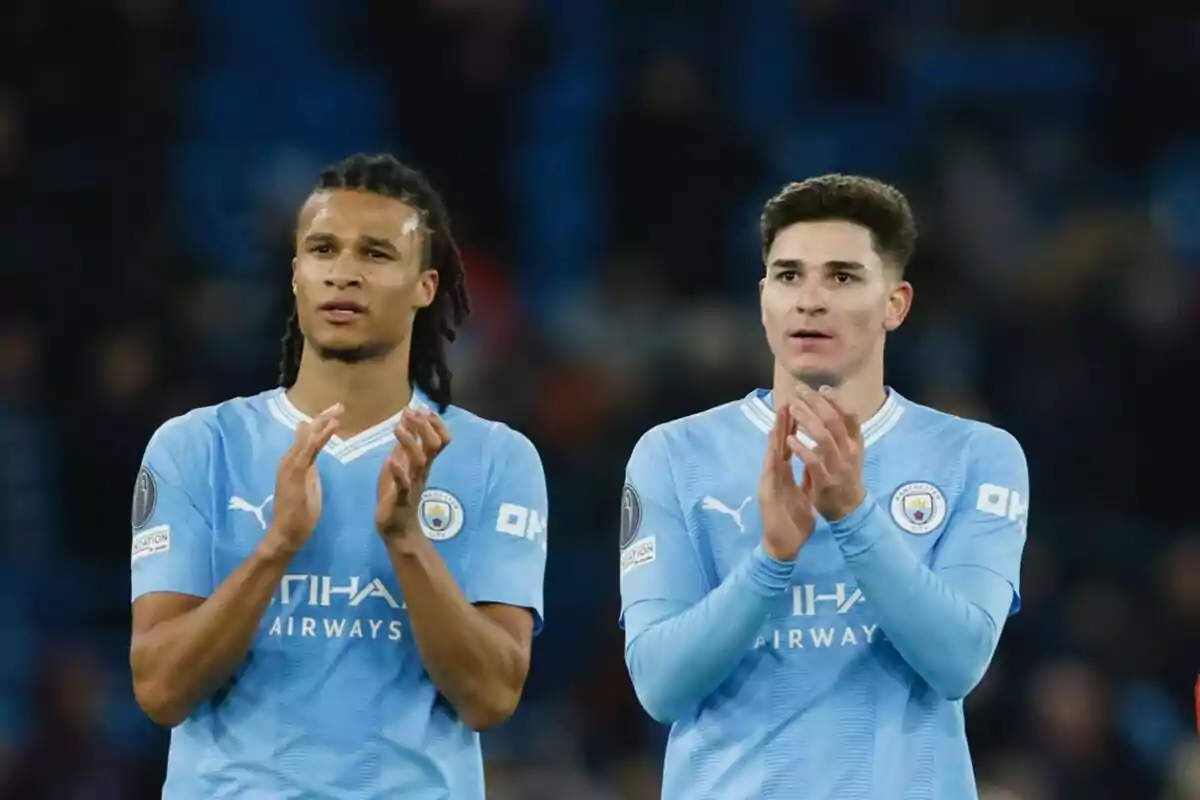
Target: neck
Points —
{"points": [[370, 391], [862, 393]]}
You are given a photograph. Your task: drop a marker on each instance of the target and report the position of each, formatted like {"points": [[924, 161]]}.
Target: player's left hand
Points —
{"points": [[836, 463], [420, 437]]}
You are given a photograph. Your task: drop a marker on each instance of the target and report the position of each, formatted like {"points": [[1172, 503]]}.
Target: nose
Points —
{"points": [[343, 272], [812, 296]]}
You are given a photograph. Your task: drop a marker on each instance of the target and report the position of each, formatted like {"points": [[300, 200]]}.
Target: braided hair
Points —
{"points": [[434, 325]]}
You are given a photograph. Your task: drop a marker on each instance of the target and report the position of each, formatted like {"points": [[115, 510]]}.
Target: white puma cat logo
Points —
{"points": [[238, 504], [711, 503]]}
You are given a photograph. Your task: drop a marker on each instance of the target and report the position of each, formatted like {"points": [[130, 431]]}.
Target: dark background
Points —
{"points": [[605, 163]]}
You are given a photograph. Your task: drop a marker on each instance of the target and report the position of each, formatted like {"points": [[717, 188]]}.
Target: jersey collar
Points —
{"points": [[356, 446], [759, 409]]}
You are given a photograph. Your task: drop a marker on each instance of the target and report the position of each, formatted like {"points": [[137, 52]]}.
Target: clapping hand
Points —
{"points": [[835, 462], [786, 506], [420, 437]]}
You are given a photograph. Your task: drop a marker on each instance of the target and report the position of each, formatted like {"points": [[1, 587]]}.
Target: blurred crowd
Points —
{"points": [[604, 162]]}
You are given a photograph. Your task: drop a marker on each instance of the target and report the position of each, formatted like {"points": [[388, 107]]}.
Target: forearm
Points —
{"points": [[476, 664], [181, 661], [676, 662], [945, 626]]}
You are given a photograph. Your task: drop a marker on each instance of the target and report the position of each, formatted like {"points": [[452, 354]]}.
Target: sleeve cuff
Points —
{"points": [[855, 531], [768, 575]]}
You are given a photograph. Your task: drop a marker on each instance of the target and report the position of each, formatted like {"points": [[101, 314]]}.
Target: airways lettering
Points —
{"points": [[303, 592]]}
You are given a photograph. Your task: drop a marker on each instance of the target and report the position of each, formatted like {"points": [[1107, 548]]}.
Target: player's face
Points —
{"points": [[828, 299], [359, 274]]}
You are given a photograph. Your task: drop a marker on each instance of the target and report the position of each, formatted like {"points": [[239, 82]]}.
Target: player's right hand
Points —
{"points": [[297, 505], [786, 507]]}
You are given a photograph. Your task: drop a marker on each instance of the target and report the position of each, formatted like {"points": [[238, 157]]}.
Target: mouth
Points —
{"points": [[809, 334], [342, 311]]}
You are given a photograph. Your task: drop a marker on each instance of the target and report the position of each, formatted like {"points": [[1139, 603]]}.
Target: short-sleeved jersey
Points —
{"points": [[332, 700], [823, 706]]}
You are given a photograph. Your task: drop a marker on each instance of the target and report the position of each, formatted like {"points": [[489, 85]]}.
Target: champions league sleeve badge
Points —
{"points": [[440, 515], [145, 498], [918, 508], [631, 515]]}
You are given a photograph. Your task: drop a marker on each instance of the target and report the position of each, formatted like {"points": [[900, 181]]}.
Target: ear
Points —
{"points": [[426, 290], [899, 303], [762, 309], [295, 266]]}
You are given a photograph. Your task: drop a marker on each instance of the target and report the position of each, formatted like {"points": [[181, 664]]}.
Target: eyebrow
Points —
{"points": [[378, 243], [369, 241], [795, 263]]}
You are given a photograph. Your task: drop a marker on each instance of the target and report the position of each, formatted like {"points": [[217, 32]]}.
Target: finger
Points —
{"points": [[784, 424], [442, 431], [321, 434], [829, 414], [431, 440], [398, 467], [317, 433], [785, 476], [389, 493], [775, 450], [815, 472], [303, 434], [818, 403], [800, 500], [826, 444], [849, 418], [773, 436], [410, 444]]}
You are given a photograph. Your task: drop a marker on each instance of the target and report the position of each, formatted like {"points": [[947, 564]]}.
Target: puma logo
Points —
{"points": [[238, 504], [713, 504]]}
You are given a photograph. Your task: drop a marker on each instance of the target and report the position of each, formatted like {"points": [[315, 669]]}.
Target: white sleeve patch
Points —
{"points": [[637, 554], [1000, 501], [150, 542]]}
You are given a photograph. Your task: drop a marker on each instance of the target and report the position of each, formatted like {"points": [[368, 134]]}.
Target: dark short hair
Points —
{"points": [[434, 326], [878, 207]]}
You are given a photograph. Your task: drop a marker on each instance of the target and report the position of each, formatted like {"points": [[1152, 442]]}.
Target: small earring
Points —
{"points": [[293, 287]]}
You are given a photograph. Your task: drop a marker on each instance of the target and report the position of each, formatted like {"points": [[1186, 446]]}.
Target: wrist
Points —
{"points": [[398, 527], [847, 506], [855, 518], [782, 554], [769, 575], [405, 544], [275, 547]]}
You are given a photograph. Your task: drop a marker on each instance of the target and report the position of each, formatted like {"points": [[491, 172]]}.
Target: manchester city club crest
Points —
{"points": [[918, 508], [440, 514]]}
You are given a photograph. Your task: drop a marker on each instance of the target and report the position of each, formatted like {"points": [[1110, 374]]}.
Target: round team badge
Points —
{"points": [[918, 508], [440, 514]]}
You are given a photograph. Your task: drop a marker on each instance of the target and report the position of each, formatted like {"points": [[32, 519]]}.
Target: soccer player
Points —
{"points": [[336, 582], [809, 631]]}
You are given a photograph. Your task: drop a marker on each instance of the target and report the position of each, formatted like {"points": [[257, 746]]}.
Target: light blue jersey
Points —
{"points": [[332, 700], [839, 676]]}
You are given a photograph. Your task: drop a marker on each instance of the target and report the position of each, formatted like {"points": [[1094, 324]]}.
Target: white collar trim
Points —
{"points": [[344, 450], [762, 416]]}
